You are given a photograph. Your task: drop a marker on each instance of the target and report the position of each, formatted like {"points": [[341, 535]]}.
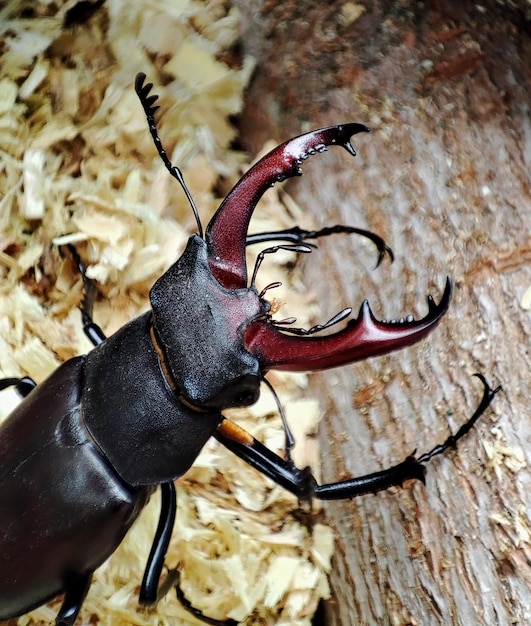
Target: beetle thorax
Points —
{"points": [[198, 326]]}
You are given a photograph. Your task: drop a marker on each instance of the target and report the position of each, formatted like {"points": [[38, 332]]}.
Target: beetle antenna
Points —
{"points": [[147, 102], [289, 438]]}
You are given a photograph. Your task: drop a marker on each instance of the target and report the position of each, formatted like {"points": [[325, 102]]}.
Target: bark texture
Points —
{"points": [[444, 178]]}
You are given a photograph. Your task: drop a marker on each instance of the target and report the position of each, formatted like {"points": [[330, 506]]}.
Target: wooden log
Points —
{"points": [[444, 178]]}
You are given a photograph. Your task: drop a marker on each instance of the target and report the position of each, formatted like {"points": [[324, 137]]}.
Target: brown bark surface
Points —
{"points": [[444, 178]]}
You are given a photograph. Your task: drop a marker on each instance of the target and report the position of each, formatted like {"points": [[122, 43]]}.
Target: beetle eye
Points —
{"points": [[242, 392], [247, 398]]}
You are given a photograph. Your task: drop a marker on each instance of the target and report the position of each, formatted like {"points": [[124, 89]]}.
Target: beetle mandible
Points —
{"points": [[83, 452]]}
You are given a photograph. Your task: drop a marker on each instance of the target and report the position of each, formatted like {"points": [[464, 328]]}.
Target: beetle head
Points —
{"points": [[364, 336], [198, 325], [215, 333]]}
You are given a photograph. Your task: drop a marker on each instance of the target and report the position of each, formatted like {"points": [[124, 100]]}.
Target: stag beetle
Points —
{"points": [[83, 452]]}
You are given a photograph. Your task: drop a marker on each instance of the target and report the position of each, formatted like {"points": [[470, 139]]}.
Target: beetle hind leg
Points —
{"points": [[76, 592]]}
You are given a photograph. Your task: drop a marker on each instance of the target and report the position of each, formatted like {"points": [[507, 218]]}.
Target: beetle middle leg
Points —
{"points": [[23, 385], [76, 592], [151, 590], [199, 614]]}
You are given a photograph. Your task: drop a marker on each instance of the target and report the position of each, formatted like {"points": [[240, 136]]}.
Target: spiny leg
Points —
{"points": [[451, 442], [303, 484], [90, 328], [298, 235]]}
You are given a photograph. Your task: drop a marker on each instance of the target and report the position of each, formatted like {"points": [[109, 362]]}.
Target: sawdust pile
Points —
{"points": [[78, 166]]}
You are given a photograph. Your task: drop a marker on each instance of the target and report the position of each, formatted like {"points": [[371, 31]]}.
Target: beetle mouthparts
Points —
{"points": [[227, 231], [363, 337]]}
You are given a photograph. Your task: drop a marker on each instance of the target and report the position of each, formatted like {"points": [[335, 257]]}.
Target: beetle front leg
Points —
{"points": [[301, 236], [90, 328], [303, 484]]}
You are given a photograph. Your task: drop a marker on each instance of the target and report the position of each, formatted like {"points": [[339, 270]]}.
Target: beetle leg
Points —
{"points": [[303, 484], [488, 395], [197, 613], [150, 592], [283, 471], [23, 385], [90, 328], [299, 235], [76, 592]]}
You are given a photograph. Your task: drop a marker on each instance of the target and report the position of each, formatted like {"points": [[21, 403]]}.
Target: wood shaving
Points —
{"points": [[79, 166], [502, 457], [525, 302]]}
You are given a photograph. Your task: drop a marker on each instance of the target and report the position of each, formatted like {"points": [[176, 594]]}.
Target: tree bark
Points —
{"points": [[444, 178]]}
